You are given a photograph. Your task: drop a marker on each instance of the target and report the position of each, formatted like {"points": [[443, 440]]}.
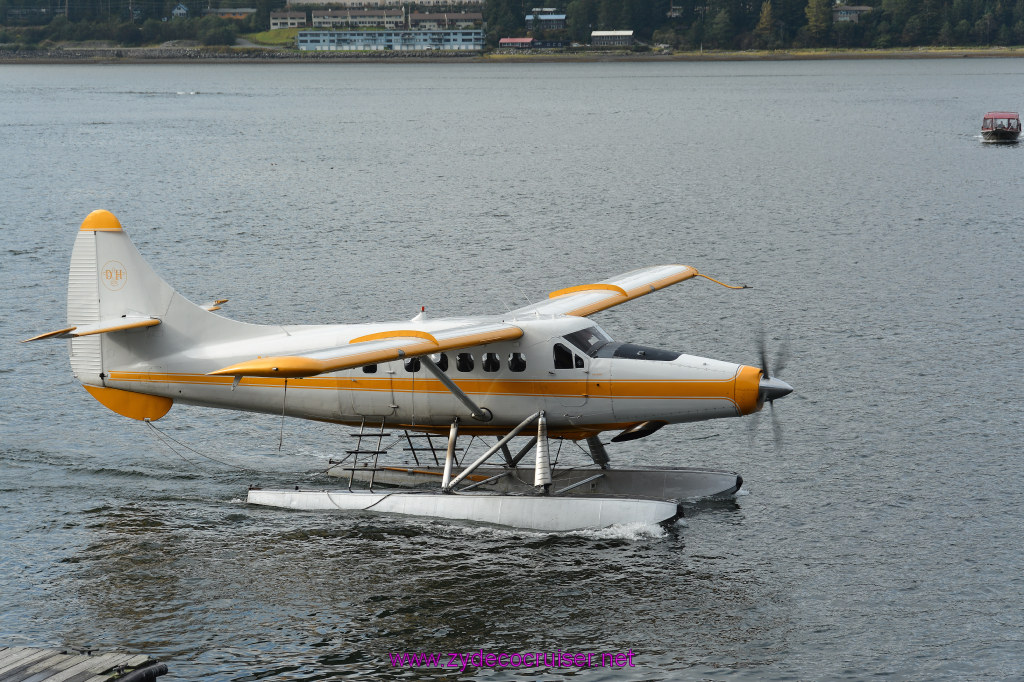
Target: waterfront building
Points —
{"points": [[439, 20], [358, 18], [517, 43], [545, 22], [611, 38], [410, 40], [849, 13], [288, 19]]}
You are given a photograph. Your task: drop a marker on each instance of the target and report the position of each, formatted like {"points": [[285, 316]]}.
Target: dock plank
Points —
{"points": [[16, 657], [31, 664], [61, 662], [92, 664], [46, 669]]}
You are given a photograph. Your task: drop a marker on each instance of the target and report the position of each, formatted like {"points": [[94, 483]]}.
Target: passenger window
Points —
{"points": [[517, 362], [412, 365], [441, 360], [579, 361], [369, 369], [491, 362], [563, 357], [464, 362]]}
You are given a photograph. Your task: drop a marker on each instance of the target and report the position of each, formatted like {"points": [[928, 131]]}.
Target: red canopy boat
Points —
{"points": [[1001, 126]]}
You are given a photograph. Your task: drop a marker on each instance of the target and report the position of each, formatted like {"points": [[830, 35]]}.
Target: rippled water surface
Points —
{"points": [[881, 536]]}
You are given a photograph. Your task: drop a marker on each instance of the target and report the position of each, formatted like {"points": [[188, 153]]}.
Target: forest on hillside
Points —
{"points": [[681, 24], [781, 24]]}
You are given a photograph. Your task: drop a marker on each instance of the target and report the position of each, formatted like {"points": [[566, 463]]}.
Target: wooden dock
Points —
{"points": [[29, 664]]}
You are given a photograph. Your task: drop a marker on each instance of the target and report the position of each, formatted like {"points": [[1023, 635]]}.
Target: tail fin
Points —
{"points": [[111, 288], [108, 281]]}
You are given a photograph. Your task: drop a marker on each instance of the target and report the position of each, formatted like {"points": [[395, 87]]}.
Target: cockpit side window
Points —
{"points": [[563, 357], [635, 352], [588, 340]]}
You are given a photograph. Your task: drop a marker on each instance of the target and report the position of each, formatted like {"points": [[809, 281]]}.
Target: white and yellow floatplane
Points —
{"points": [[544, 371]]}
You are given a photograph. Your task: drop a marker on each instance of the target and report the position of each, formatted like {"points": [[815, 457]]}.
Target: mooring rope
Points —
{"points": [[384, 496], [163, 438], [284, 404]]}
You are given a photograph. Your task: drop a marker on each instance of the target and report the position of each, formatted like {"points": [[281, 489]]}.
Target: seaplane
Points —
{"points": [[544, 372]]}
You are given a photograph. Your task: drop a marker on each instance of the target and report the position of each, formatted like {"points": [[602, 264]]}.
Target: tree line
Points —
{"points": [[681, 24], [30, 23], [778, 24]]}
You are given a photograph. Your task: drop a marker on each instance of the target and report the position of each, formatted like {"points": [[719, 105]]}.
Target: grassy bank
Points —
{"points": [[279, 37], [759, 55], [167, 53]]}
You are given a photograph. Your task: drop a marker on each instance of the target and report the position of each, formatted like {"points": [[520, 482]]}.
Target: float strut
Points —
{"points": [[597, 451], [453, 434], [542, 460], [484, 457], [522, 453]]}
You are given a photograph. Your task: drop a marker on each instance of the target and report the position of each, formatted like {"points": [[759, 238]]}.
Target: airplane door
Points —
{"points": [[569, 374], [370, 391]]}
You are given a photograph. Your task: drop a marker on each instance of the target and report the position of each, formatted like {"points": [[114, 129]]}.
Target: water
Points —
{"points": [[882, 239]]}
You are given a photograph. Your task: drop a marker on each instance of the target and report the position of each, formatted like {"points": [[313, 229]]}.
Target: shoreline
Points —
{"points": [[228, 55]]}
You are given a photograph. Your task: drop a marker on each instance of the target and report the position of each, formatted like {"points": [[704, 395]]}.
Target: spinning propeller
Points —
{"points": [[772, 388]]}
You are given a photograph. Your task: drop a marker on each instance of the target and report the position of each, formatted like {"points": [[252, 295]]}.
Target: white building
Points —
{"points": [[611, 38], [391, 40], [287, 19], [441, 20], [358, 18]]}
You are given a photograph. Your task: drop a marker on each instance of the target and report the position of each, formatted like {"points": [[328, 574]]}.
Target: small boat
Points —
{"points": [[1001, 126]]}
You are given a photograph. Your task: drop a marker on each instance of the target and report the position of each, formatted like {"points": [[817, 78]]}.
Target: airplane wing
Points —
{"points": [[590, 298], [382, 346]]}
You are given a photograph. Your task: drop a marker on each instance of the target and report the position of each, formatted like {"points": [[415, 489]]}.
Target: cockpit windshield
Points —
{"points": [[588, 340]]}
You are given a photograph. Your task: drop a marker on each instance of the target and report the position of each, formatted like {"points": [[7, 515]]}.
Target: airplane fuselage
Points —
{"points": [[567, 366], [138, 347]]}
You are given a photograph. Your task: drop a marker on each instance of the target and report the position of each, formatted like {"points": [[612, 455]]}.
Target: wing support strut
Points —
{"points": [[481, 414]]}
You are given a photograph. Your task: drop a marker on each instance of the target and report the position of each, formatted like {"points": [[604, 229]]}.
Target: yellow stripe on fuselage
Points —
{"points": [[622, 389]]}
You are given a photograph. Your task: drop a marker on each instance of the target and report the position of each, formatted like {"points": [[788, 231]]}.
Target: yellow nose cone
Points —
{"points": [[101, 220]]}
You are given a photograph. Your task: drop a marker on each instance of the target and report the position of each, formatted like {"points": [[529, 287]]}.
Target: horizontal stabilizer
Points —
{"points": [[103, 327], [384, 346], [214, 305]]}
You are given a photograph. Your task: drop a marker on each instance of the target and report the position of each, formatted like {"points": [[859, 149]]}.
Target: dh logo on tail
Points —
{"points": [[113, 275]]}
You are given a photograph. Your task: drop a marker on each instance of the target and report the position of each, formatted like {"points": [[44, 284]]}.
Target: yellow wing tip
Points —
{"points": [[101, 220], [50, 335]]}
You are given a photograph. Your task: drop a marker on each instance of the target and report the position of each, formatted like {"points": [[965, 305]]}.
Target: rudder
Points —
{"points": [[108, 281]]}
